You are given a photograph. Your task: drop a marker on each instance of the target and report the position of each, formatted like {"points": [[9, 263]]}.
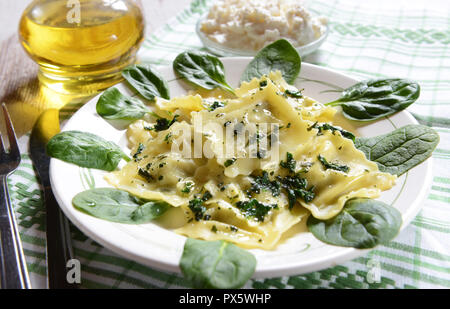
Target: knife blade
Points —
{"points": [[59, 246]]}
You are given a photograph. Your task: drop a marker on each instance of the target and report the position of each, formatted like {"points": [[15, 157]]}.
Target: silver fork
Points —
{"points": [[13, 267]]}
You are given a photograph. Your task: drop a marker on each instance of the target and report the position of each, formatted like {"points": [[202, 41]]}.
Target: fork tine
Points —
{"points": [[14, 147], [2, 148]]}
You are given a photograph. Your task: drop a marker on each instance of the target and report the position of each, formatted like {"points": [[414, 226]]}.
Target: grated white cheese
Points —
{"points": [[252, 24]]}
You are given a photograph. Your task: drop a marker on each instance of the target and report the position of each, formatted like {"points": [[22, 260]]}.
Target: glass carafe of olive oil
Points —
{"points": [[81, 46]]}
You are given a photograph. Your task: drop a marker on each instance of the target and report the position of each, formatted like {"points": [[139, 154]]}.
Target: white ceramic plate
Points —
{"points": [[222, 50], [157, 247]]}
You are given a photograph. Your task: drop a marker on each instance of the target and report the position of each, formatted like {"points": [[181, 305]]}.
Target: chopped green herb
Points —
{"points": [[296, 187], [145, 174], [290, 163], [164, 123], [206, 196], [256, 137], [197, 206], [139, 150], [215, 105], [314, 126], [327, 126], [233, 197], [281, 94], [294, 94], [229, 162], [167, 138], [263, 183], [214, 229], [238, 127], [333, 166], [255, 209], [305, 167], [221, 186], [187, 187], [261, 154]]}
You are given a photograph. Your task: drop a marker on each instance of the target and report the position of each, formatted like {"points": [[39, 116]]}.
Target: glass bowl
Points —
{"points": [[223, 51]]}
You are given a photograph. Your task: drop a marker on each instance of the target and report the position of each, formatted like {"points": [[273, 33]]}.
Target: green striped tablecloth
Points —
{"points": [[367, 39]]}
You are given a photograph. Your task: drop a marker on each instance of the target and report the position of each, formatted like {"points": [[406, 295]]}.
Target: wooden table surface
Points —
{"points": [[19, 87]]}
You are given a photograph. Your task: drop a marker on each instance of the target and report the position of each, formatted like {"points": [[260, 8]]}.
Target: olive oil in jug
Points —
{"points": [[81, 46]]}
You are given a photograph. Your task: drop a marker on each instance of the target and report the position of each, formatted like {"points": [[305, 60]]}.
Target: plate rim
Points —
{"points": [[344, 255]]}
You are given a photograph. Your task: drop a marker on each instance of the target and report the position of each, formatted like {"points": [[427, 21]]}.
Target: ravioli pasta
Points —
{"points": [[289, 160]]}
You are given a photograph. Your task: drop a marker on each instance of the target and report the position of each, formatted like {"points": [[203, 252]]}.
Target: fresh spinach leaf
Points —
{"points": [[149, 211], [85, 150], [112, 104], [118, 206], [363, 223], [400, 150], [202, 70], [147, 81], [279, 55], [376, 98], [216, 264]]}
